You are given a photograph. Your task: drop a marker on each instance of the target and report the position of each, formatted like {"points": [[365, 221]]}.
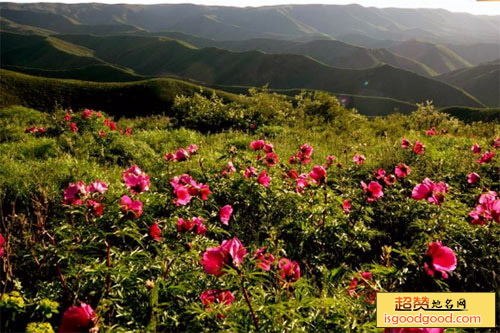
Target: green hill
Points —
{"points": [[157, 56], [438, 57], [330, 52], [477, 53], [483, 81]]}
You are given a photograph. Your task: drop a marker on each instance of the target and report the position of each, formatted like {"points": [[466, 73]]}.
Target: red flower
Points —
{"points": [[268, 148], [2, 242], [73, 127], [373, 191], [418, 148], [346, 206], [155, 232], [431, 131], [168, 157], [129, 206], [390, 180], [78, 319], [112, 126], [440, 259], [329, 161], [225, 214], [96, 207], [257, 145], [271, 159], [87, 114], [216, 296], [230, 252], [402, 170], [263, 179], [363, 282]]}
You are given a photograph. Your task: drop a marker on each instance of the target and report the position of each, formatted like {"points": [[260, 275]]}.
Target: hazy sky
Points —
{"points": [[469, 6]]}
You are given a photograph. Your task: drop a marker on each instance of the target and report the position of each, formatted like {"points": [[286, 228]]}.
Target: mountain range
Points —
{"points": [[400, 56]]}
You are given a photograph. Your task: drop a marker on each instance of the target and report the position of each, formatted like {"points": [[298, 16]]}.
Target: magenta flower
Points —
{"points": [[2, 242], [129, 206], [74, 193], [250, 171], [431, 131], [271, 159], [289, 271], [225, 214], [192, 149], [318, 174], [183, 196], [97, 186], [418, 148], [78, 319], [214, 260], [181, 155], [380, 173], [346, 206], [235, 249], [204, 191], [390, 180], [329, 161], [301, 183], [257, 145], [402, 170], [263, 179], [303, 156], [373, 191], [155, 232], [86, 114], [486, 157], [405, 144], [136, 180], [473, 178], [476, 149], [169, 157], [359, 159], [268, 148], [488, 209], [432, 192], [440, 259], [265, 260]]}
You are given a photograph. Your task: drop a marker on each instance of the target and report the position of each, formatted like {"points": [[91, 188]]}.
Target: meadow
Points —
{"points": [[276, 214]]}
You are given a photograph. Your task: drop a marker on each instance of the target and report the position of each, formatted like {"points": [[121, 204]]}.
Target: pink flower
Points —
{"points": [[214, 296], [329, 161], [318, 174], [440, 259], [2, 242], [87, 114], [303, 156], [302, 183], [112, 126], [380, 173], [181, 155], [431, 131], [405, 144], [268, 148], [359, 159], [271, 159], [390, 180], [74, 192], [136, 180], [250, 171], [432, 192], [78, 319], [418, 148], [486, 157], [225, 214], [263, 179], [257, 145], [129, 206], [496, 143], [67, 117], [476, 149], [183, 196], [229, 169], [97, 186], [41, 130], [265, 260], [214, 260], [402, 170], [473, 178], [192, 149], [73, 127], [289, 271], [373, 191], [235, 249], [346, 206], [155, 232], [128, 131], [98, 114], [488, 209]]}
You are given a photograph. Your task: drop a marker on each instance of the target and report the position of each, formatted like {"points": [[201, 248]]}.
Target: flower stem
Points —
{"points": [[247, 299]]}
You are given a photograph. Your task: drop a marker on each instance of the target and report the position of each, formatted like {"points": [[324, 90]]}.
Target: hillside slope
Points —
{"points": [[483, 81], [160, 57]]}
